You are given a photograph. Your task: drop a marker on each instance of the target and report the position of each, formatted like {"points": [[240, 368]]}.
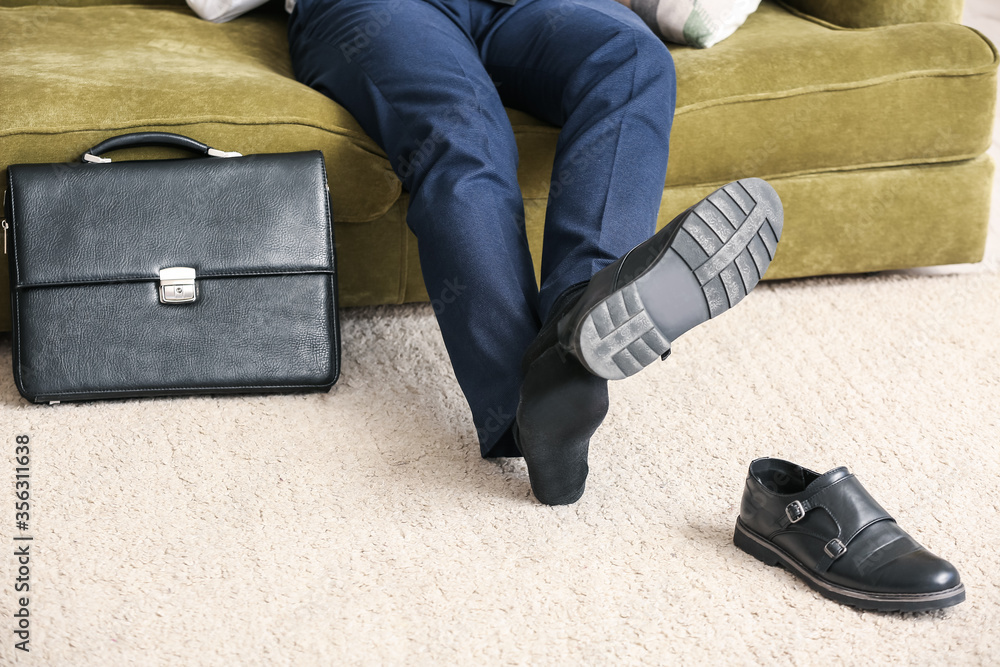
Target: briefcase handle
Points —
{"points": [[137, 139]]}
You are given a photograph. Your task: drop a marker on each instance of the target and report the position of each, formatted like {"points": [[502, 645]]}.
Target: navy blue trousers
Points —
{"points": [[428, 81]]}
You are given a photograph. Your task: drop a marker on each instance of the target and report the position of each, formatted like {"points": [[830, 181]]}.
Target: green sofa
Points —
{"points": [[870, 117]]}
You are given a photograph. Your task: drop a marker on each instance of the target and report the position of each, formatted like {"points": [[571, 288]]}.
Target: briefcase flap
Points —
{"points": [[79, 223]]}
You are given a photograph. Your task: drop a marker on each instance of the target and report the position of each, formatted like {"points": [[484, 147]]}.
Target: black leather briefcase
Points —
{"points": [[213, 274]]}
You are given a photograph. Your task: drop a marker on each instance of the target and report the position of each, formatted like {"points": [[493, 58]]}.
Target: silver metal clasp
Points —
{"points": [[839, 548], [177, 285], [795, 511]]}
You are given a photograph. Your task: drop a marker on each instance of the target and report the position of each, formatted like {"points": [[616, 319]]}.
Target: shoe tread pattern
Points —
{"points": [[622, 331], [727, 241], [746, 223]]}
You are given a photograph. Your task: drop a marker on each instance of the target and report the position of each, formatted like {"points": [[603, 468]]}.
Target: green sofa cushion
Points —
{"points": [[838, 222], [870, 13], [789, 95], [229, 85], [782, 96], [786, 95]]}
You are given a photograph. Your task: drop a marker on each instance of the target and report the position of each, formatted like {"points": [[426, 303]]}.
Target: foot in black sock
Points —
{"points": [[625, 317], [561, 406]]}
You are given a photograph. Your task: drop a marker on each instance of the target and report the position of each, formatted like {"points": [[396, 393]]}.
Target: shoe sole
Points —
{"points": [[700, 267], [771, 554]]}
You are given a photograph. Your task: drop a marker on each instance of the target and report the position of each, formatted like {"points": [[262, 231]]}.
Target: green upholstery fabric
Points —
{"points": [[787, 95], [229, 85], [835, 222], [805, 98], [872, 13], [839, 119]]}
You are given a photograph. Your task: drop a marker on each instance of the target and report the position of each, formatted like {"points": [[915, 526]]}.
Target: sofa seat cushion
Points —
{"points": [[72, 77], [788, 95], [785, 95], [869, 13]]}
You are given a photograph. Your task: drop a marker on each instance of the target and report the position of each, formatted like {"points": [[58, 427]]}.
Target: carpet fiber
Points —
{"points": [[361, 526]]}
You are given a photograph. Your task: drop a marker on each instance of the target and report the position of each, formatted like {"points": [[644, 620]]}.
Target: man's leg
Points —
{"points": [[612, 297], [595, 69], [409, 72]]}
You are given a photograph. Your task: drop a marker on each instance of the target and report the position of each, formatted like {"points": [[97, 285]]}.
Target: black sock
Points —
{"points": [[561, 406]]}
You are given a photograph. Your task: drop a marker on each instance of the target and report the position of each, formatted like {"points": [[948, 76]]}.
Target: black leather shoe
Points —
{"points": [[697, 267], [561, 406], [829, 531]]}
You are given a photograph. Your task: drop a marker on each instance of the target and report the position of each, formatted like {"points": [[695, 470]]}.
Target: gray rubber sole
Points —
{"points": [[771, 554], [696, 271]]}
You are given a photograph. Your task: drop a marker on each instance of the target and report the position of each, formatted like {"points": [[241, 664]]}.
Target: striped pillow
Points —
{"points": [[699, 23]]}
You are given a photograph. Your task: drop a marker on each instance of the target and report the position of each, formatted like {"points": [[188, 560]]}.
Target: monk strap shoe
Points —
{"points": [[831, 533]]}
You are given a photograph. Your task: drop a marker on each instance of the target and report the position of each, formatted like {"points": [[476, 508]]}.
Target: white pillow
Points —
{"points": [[700, 23], [220, 11]]}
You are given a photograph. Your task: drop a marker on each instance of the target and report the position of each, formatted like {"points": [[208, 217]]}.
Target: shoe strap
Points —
{"points": [[850, 506]]}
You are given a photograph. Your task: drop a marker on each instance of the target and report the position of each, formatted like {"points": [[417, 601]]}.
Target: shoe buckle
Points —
{"points": [[795, 511], [839, 548]]}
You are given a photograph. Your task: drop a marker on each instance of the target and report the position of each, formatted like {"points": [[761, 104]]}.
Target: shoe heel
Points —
{"points": [[746, 543]]}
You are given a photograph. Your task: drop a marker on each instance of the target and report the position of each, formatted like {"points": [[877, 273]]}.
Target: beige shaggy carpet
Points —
{"points": [[362, 527]]}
